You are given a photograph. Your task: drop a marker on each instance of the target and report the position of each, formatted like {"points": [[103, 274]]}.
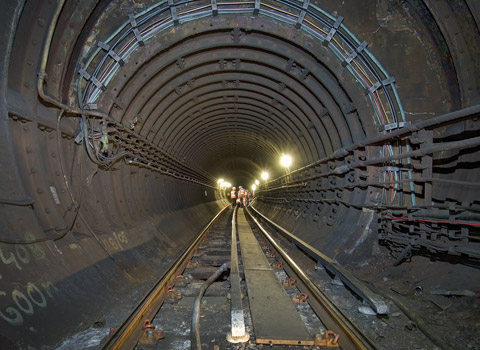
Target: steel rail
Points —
{"points": [[128, 334], [351, 338], [375, 301]]}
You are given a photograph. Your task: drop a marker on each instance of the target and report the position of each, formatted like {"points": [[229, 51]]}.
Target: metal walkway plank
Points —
{"points": [[274, 316]]}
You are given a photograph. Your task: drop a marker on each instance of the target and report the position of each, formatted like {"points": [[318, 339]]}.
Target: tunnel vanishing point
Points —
{"points": [[119, 116]]}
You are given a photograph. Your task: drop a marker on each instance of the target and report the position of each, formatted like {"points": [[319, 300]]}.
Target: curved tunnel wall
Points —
{"points": [[214, 95]]}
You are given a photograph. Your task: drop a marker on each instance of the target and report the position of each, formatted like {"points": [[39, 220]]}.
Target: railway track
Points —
{"points": [[215, 297]]}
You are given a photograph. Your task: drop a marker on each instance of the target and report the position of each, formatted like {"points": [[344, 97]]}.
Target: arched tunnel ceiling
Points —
{"points": [[237, 86]]}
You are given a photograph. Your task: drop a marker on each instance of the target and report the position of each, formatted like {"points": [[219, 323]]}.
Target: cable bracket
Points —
{"points": [[256, 10], [173, 11], [91, 78], [355, 53], [214, 7], [302, 14], [397, 168], [376, 86], [111, 53], [136, 32], [392, 126], [332, 31]]}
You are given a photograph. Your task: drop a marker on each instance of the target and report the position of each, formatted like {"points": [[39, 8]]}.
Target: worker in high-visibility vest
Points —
{"points": [[233, 196], [241, 195]]}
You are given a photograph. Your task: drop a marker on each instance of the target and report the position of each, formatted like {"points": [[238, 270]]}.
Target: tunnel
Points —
{"points": [[119, 117]]}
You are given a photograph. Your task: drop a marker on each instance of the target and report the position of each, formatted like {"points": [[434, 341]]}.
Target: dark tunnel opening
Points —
{"points": [[119, 117]]}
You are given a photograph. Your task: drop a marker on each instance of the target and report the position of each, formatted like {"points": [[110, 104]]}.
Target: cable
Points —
{"points": [[195, 333], [431, 221]]}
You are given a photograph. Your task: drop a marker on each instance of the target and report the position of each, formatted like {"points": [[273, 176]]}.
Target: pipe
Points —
{"points": [[27, 201], [436, 121], [435, 148], [43, 66], [195, 335]]}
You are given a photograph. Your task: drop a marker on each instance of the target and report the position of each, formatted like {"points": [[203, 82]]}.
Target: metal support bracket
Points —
{"points": [[181, 63], [302, 14], [173, 11], [304, 74], [355, 53], [289, 65], [332, 31], [111, 53], [136, 32]]}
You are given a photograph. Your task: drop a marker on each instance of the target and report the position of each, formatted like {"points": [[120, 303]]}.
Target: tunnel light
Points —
{"points": [[254, 187], [257, 182], [265, 175], [225, 184], [219, 181], [286, 160]]}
